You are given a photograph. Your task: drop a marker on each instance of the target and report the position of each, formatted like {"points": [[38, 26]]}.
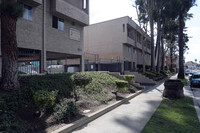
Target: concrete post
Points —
{"points": [[43, 52], [82, 63]]}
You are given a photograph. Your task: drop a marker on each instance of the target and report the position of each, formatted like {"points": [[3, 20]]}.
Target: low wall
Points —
{"points": [[139, 78], [117, 74]]}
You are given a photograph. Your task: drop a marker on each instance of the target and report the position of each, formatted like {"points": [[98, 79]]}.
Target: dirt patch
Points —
{"points": [[88, 106], [45, 122]]}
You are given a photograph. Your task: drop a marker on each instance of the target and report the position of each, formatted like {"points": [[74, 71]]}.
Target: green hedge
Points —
{"points": [[65, 110], [81, 79], [50, 82], [9, 104], [44, 99], [121, 83], [154, 75], [128, 78]]}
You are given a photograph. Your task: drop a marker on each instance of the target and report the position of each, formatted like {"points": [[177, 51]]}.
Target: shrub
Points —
{"points": [[150, 74], [166, 68], [121, 84], [129, 78], [147, 67], [81, 79], [98, 89], [50, 82], [65, 110], [139, 66], [44, 99], [172, 70]]}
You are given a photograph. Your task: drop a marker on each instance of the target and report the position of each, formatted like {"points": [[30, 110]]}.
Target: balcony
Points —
{"points": [[33, 3], [65, 9]]}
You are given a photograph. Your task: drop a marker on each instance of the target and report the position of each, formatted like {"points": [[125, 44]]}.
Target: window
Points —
{"points": [[138, 37], [134, 50], [123, 27], [58, 23], [28, 13], [129, 49], [84, 4], [128, 32]]}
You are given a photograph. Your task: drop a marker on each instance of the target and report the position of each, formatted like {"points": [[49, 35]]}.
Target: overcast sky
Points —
{"points": [[102, 10]]}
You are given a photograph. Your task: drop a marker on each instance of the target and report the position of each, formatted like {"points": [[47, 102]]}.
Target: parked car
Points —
{"points": [[187, 71], [195, 80], [191, 74]]}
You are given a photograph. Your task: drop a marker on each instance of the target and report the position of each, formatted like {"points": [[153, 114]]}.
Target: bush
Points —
{"points": [[129, 78], [139, 66], [147, 67], [81, 79], [172, 70], [49, 82], [65, 110], [150, 74], [44, 99], [121, 84]]}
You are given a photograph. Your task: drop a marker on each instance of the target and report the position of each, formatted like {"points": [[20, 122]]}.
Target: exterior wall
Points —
{"points": [[70, 9], [111, 38], [129, 55], [39, 34], [29, 33], [76, 3], [105, 38], [65, 44]]}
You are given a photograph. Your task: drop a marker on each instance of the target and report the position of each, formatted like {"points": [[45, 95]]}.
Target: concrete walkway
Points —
{"points": [[130, 117]]}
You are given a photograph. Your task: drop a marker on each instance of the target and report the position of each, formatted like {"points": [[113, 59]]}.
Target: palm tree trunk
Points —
{"points": [[152, 46], [171, 58], [163, 55], [152, 36], [9, 53], [181, 45], [158, 44]]}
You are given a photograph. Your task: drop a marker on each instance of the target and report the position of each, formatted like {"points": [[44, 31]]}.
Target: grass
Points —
{"points": [[184, 81], [174, 116]]}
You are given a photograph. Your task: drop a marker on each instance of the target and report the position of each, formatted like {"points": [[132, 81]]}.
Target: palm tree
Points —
{"points": [[182, 9], [10, 11], [145, 14]]}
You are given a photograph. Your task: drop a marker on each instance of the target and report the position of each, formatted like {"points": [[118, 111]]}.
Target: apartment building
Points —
{"points": [[51, 30], [120, 39]]}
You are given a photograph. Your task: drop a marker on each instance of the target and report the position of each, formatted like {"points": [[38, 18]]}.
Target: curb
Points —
{"points": [[196, 106], [195, 102], [88, 118]]}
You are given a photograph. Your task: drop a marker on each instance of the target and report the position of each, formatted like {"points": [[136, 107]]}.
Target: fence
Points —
{"points": [[28, 61], [94, 63]]}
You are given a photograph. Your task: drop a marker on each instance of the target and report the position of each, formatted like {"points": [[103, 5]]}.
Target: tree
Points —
{"points": [[182, 7], [145, 14], [10, 11]]}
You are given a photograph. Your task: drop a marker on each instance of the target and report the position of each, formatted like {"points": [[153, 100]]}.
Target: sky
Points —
{"points": [[103, 10]]}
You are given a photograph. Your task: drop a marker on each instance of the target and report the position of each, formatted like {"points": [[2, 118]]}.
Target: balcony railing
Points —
{"points": [[63, 8], [32, 2]]}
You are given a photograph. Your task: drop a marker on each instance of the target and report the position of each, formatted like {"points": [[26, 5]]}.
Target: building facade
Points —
{"points": [[51, 30], [120, 40], [191, 65]]}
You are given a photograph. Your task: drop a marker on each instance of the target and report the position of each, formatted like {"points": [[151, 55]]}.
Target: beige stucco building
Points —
{"points": [[119, 39], [52, 30]]}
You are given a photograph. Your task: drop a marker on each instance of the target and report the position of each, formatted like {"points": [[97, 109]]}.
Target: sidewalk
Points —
{"points": [[130, 117]]}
